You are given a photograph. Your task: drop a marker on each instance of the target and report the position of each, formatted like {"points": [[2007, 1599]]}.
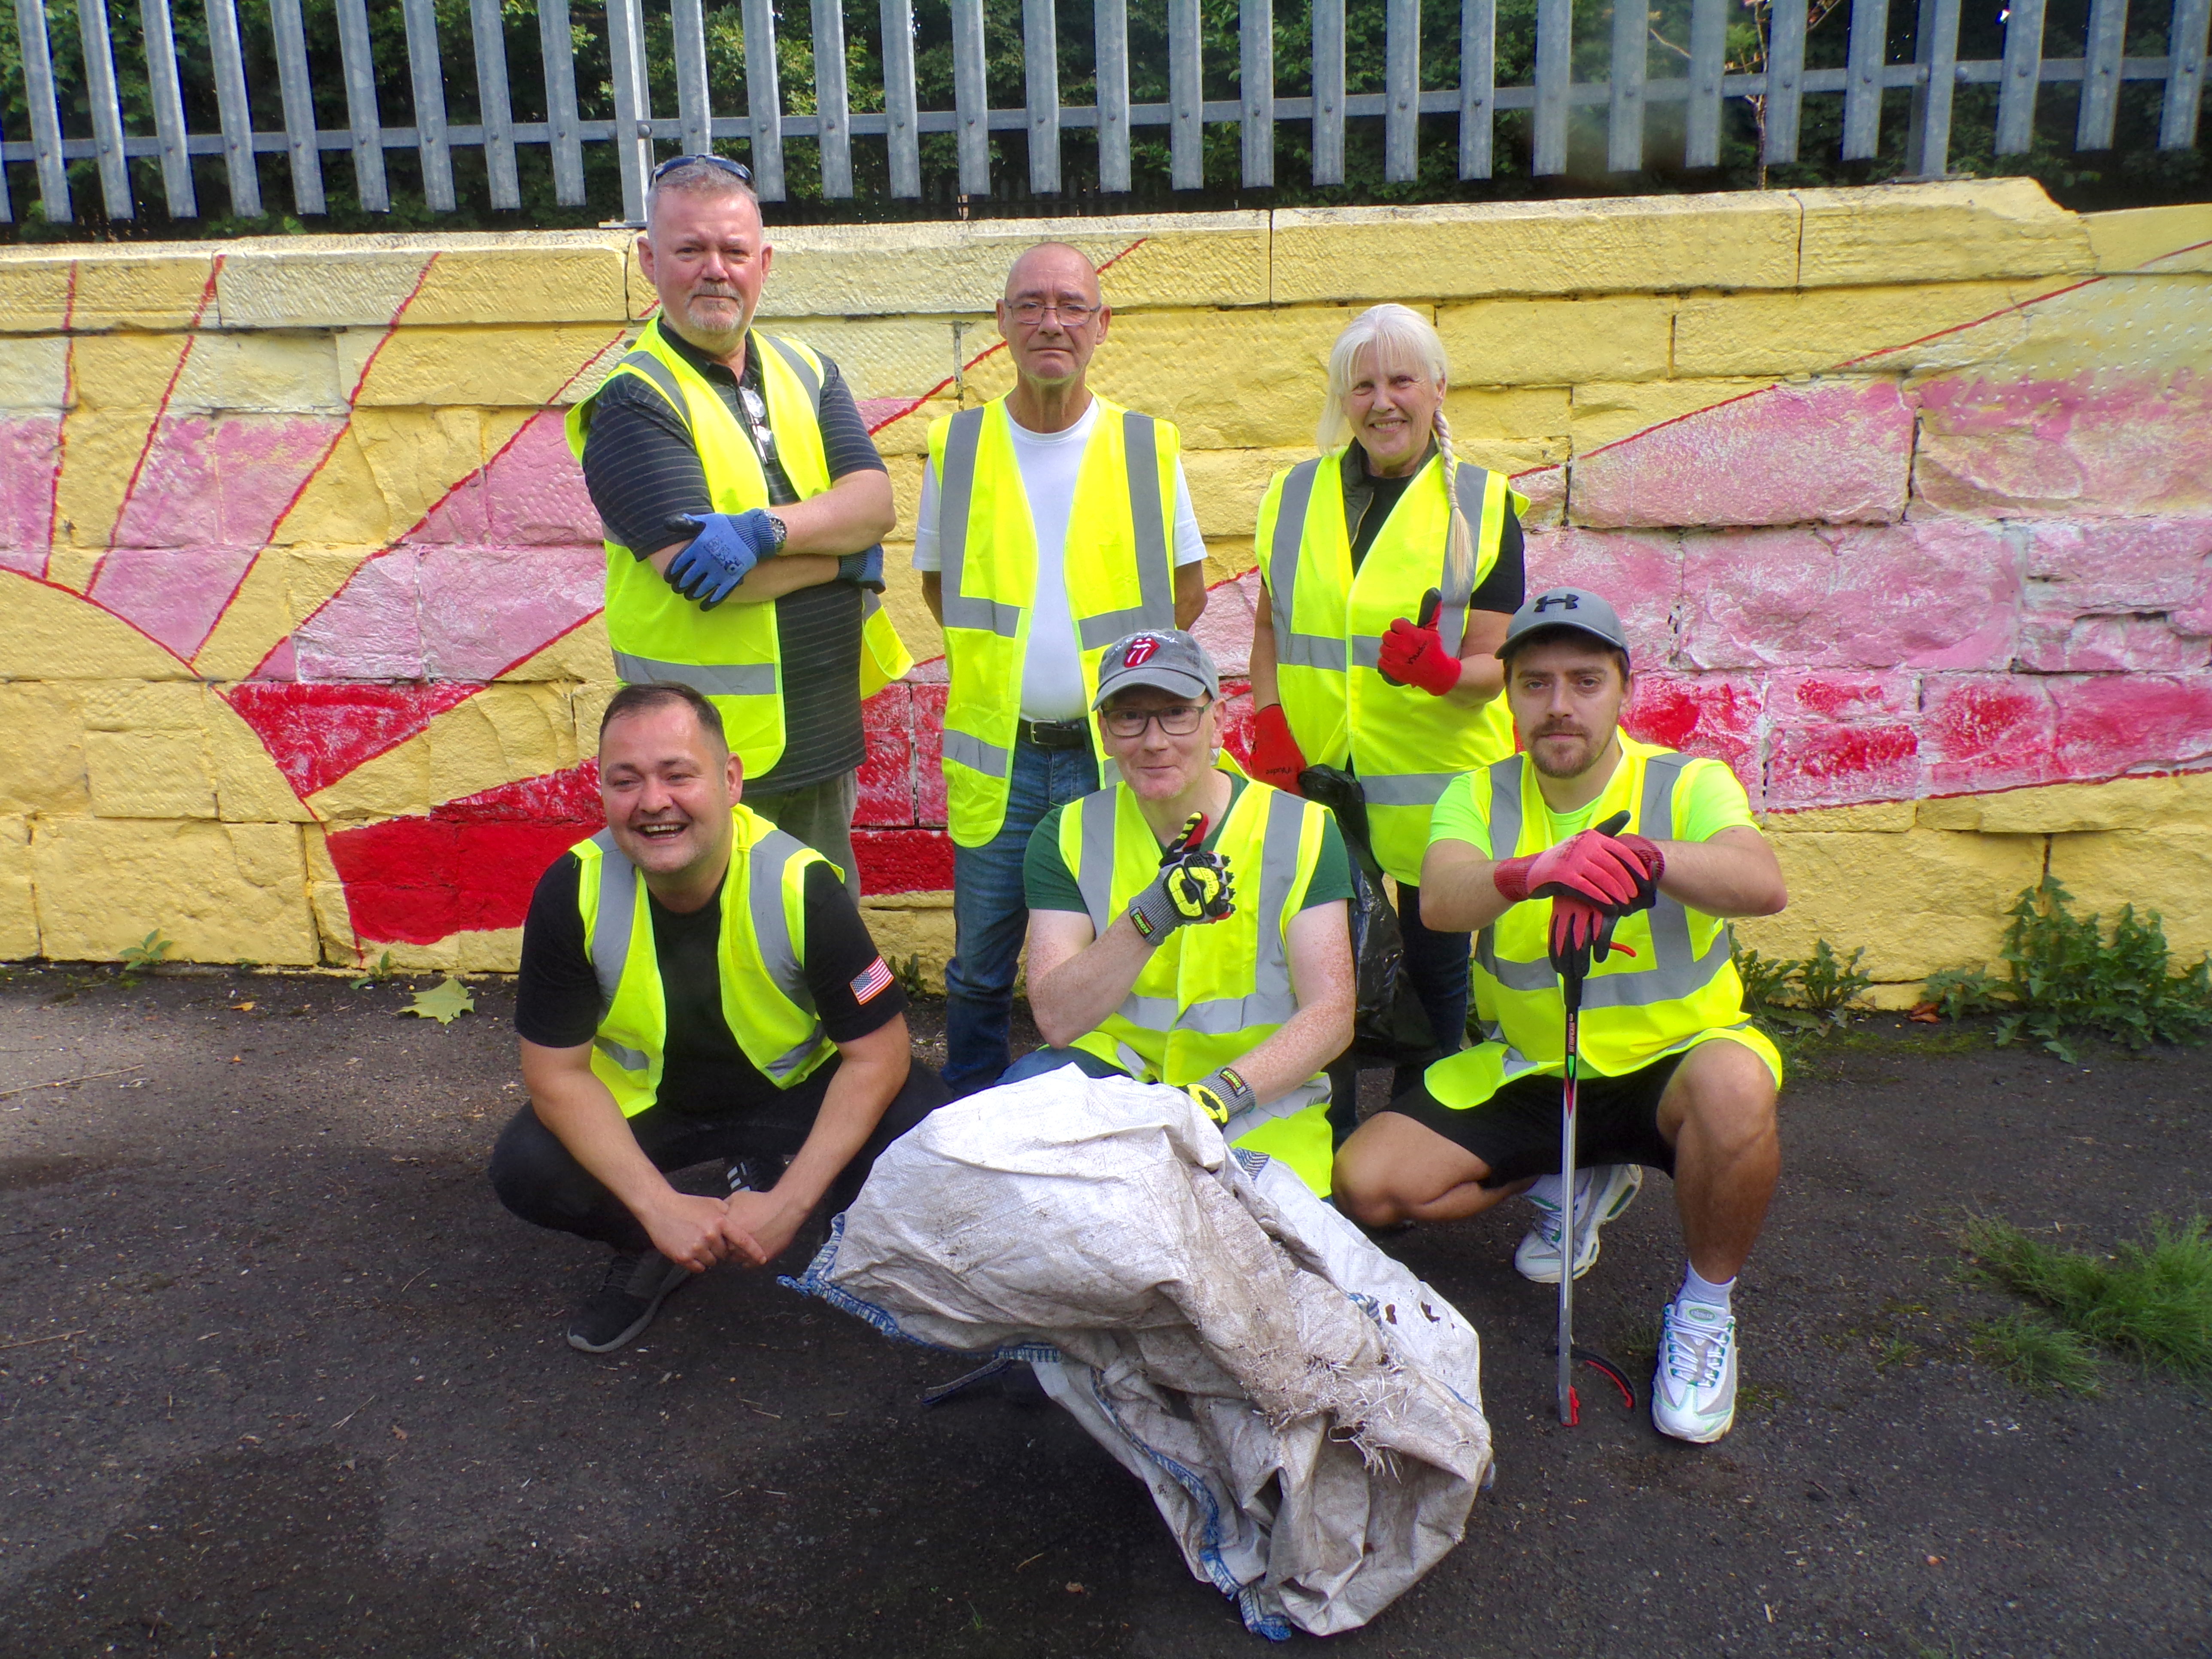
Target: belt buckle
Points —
{"points": [[1060, 734]]}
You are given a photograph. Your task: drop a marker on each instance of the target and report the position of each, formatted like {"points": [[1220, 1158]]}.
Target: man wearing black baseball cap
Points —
{"points": [[1537, 852], [1187, 925]]}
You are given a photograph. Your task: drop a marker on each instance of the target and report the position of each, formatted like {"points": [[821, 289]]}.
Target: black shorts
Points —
{"points": [[1516, 1132]]}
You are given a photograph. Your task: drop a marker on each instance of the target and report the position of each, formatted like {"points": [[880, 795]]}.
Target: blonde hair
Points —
{"points": [[1397, 337]]}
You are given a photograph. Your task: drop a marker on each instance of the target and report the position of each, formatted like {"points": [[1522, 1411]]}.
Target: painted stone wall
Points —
{"points": [[1907, 493]]}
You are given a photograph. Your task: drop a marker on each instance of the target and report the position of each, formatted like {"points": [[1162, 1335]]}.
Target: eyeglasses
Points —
{"points": [[738, 169], [1030, 313], [1177, 719]]}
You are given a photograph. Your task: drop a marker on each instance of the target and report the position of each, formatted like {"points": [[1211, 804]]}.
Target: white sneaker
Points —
{"points": [[1601, 1194], [1693, 1386]]}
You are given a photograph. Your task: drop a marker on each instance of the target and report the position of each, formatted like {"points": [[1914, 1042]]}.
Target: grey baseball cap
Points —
{"points": [[1567, 607], [1164, 657]]}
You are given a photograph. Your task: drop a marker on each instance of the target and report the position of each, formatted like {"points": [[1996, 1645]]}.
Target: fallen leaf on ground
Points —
{"points": [[1925, 1013], [243, 1007], [445, 1002], [399, 1433]]}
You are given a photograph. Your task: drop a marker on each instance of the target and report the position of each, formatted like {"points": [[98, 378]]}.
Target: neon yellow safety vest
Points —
{"points": [[1119, 571], [1678, 990], [730, 653], [1210, 994], [761, 963], [1405, 745]]}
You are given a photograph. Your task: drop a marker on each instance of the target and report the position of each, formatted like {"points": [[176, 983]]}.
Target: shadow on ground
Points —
{"points": [[278, 1376]]}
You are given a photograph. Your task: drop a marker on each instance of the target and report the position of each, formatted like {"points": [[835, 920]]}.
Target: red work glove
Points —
{"points": [[1591, 866], [1276, 758], [1579, 926], [1654, 862], [1414, 654]]}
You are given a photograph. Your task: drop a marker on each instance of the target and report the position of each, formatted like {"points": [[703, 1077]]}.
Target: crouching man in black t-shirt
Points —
{"points": [[696, 985]]}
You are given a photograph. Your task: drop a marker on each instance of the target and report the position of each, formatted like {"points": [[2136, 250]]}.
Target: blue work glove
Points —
{"points": [[724, 551], [863, 569]]}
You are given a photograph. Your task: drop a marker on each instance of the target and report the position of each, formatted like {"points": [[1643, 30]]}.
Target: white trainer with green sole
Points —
{"points": [[1601, 1192], [1694, 1385]]}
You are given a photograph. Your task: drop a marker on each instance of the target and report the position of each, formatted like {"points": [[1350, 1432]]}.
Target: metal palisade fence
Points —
{"points": [[1707, 75]]}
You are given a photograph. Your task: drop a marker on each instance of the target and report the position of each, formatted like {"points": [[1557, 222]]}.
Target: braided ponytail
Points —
{"points": [[1459, 545]]}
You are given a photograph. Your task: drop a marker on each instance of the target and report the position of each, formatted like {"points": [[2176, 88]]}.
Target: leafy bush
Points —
{"points": [[2064, 980], [1802, 994], [2153, 1301]]}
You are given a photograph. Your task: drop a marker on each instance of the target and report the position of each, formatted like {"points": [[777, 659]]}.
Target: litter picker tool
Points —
{"points": [[1572, 964]]}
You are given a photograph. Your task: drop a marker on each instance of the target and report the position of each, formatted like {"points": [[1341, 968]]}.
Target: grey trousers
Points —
{"points": [[821, 815]]}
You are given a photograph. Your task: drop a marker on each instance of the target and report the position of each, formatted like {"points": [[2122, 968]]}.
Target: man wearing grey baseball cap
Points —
{"points": [[1537, 853], [1182, 891]]}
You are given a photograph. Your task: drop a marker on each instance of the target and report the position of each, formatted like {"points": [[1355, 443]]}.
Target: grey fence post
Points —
{"points": [[833, 106], [488, 30], [902, 131], [1478, 85], [2100, 74], [2185, 81], [1255, 83], [430, 78], [1701, 122], [1555, 28], [1186, 98], [971, 98], [168, 111], [232, 105], [1937, 51], [107, 108], [1329, 92], [1401, 89], [564, 135], [1624, 131], [299, 106], [1041, 86], [695, 110], [763, 99], [2023, 69], [45, 113], [1111, 28], [632, 109], [1865, 60], [364, 118], [1785, 80]]}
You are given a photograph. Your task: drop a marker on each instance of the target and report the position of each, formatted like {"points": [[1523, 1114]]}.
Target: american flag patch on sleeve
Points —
{"points": [[871, 981]]}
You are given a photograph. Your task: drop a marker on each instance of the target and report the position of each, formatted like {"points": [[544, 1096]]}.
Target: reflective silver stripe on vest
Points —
{"points": [[1292, 648], [1674, 972], [767, 859], [745, 680], [973, 752], [1405, 789], [955, 497], [798, 366], [1094, 857], [609, 944], [663, 380], [630, 1060], [1140, 446]]}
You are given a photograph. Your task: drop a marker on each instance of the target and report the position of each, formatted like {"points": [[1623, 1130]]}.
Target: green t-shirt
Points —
{"points": [[1707, 800], [1049, 884]]}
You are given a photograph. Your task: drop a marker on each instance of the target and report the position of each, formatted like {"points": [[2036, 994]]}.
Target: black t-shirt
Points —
{"points": [[1368, 502], [704, 1072], [642, 468]]}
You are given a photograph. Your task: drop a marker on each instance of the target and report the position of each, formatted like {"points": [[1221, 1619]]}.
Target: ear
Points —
{"points": [[766, 257], [645, 254], [734, 775], [1105, 317]]}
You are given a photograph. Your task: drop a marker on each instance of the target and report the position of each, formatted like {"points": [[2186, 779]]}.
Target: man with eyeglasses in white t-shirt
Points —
{"points": [[1052, 523]]}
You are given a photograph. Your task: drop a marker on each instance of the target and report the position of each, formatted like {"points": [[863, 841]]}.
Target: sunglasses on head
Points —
{"points": [[743, 174]]}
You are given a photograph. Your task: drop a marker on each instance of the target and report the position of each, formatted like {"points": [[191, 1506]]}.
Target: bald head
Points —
{"points": [[1052, 318], [1050, 270]]}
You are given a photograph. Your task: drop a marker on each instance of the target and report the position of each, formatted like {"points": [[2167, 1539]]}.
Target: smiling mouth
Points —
{"points": [[661, 831]]}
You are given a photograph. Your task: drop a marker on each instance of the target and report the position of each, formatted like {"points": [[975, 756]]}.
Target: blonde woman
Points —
{"points": [[1390, 571]]}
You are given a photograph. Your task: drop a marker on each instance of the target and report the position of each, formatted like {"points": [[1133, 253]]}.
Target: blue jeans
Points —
{"points": [[1042, 1060], [990, 914]]}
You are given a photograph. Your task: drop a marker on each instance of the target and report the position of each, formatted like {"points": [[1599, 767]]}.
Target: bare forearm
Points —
{"points": [[851, 516], [1733, 874], [1189, 592], [1262, 661], [583, 1116], [933, 594], [1459, 893], [1481, 678], [1076, 996], [854, 1103], [1303, 1044]]}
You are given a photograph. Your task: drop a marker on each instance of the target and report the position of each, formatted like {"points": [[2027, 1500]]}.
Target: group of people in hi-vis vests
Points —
{"points": [[698, 984]]}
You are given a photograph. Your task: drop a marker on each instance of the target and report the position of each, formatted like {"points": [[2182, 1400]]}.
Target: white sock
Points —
{"points": [[1697, 1289]]}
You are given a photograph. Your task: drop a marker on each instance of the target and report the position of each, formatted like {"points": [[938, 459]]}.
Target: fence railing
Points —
{"points": [[1778, 85]]}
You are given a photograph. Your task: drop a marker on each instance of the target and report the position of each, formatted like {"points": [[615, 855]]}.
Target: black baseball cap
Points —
{"points": [[1166, 658], [1567, 607]]}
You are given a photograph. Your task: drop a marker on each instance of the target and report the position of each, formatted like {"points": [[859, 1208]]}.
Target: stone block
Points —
{"points": [[904, 933], [1937, 594], [30, 456], [339, 504], [2079, 808], [34, 373], [1959, 231], [393, 783], [42, 767], [1521, 425], [929, 752], [221, 891], [1228, 557], [2061, 643], [2090, 444], [102, 286], [579, 656], [1225, 629], [1815, 330], [503, 733], [1226, 485], [48, 632], [2166, 869], [1617, 244], [1918, 902], [2108, 723], [147, 775], [885, 783], [1230, 379], [341, 281], [2120, 565], [271, 371], [19, 910], [1891, 818], [128, 373], [249, 788], [1558, 341], [891, 357], [511, 364], [102, 448], [1713, 715], [1835, 765], [426, 459], [490, 950], [866, 271], [2159, 239], [1640, 575], [1836, 451], [1985, 731]]}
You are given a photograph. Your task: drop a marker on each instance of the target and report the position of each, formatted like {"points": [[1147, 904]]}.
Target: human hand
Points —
{"points": [[1276, 758], [863, 569], [1592, 867], [689, 1229], [760, 1226], [1654, 862], [1222, 1094], [1192, 886], [724, 550], [1414, 653]]}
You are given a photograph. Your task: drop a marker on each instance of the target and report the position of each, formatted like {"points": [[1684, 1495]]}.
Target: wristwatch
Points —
{"points": [[783, 530]]}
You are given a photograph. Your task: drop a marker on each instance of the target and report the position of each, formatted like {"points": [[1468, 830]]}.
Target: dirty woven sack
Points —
{"points": [[1306, 1412]]}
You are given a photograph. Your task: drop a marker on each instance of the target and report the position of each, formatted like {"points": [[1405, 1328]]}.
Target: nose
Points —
{"points": [[651, 796]]}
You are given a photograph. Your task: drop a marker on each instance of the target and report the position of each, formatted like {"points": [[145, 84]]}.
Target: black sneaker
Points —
{"points": [[637, 1283], [755, 1174]]}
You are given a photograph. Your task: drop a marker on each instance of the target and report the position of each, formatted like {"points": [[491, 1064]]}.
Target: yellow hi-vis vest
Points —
{"points": [[730, 653], [1405, 745], [1679, 989], [1119, 567], [1210, 993], [761, 963]]}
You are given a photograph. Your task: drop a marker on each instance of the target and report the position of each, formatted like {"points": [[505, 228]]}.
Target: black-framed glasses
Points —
{"points": [[743, 173], [1177, 719], [1030, 313]]}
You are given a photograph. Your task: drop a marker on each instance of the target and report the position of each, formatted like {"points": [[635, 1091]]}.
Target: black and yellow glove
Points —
{"points": [[1222, 1094], [1192, 886]]}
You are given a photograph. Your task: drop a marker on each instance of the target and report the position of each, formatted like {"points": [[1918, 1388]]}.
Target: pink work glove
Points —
{"points": [[1414, 653], [1592, 867]]}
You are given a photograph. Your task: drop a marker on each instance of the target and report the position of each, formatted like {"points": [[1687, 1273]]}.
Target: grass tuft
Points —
{"points": [[2153, 1301], [2039, 1355]]}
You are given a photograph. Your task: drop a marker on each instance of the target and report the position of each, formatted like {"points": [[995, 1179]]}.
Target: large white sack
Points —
{"points": [[1305, 1413]]}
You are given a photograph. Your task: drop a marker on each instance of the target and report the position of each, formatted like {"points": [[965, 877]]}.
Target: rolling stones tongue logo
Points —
{"points": [[1140, 651]]}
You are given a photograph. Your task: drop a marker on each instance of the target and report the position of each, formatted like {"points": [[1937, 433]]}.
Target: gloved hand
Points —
{"points": [[1222, 1094], [724, 550], [1591, 866], [864, 569], [1276, 758], [1192, 886], [1413, 653], [1654, 862]]}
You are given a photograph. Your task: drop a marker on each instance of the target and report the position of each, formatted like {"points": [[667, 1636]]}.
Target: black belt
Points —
{"points": [[1054, 734]]}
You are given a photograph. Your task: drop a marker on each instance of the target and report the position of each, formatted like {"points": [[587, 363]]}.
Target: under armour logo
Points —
{"points": [[1140, 650], [1564, 601]]}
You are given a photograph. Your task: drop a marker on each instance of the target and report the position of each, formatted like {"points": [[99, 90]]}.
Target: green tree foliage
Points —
{"points": [[2134, 172]]}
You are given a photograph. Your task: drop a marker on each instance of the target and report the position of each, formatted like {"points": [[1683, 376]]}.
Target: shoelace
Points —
{"points": [[1707, 1355]]}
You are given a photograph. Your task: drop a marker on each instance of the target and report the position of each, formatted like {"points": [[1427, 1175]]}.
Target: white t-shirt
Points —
{"points": [[1052, 675]]}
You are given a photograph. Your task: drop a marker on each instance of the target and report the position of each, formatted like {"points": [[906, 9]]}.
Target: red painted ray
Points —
{"points": [[318, 732]]}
